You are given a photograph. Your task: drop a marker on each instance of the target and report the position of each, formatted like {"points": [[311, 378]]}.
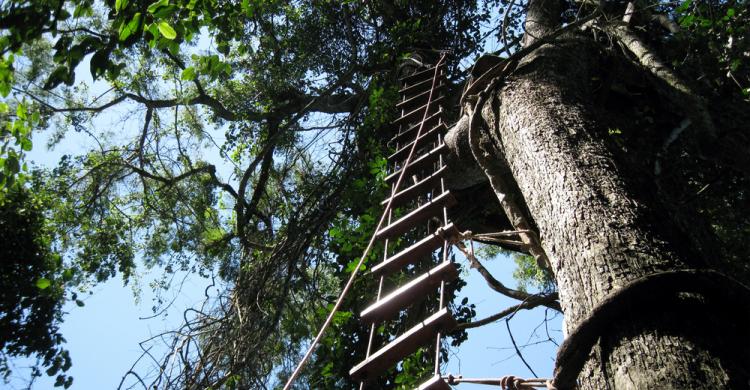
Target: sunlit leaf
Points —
{"points": [[167, 31], [43, 283]]}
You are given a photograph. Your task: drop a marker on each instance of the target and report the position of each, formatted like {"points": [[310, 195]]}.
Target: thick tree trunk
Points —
{"points": [[599, 232]]}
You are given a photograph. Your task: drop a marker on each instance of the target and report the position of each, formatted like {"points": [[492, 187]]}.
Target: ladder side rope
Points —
{"points": [[349, 282]]}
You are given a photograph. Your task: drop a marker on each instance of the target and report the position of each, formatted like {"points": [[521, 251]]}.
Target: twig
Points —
{"points": [[518, 351]]}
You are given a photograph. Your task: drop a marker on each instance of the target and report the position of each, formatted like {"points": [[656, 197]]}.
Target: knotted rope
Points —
{"points": [[508, 382]]}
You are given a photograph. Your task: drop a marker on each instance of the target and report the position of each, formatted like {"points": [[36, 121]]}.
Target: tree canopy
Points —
{"points": [[248, 145]]}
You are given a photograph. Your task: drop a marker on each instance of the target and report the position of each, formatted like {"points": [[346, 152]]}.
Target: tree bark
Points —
{"points": [[598, 231]]}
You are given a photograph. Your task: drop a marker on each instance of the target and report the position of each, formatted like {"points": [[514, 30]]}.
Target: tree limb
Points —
{"points": [[532, 302], [503, 289]]}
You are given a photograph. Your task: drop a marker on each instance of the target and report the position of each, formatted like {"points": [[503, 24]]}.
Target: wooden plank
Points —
{"points": [[419, 99], [431, 135], [419, 87], [408, 135], [432, 208], [418, 113], [418, 162], [414, 252], [429, 72], [422, 187], [411, 292], [403, 345]]}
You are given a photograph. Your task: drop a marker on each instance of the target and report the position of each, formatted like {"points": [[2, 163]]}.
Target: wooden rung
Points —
{"points": [[418, 113], [434, 383], [418, 162], [403, 345], [415, 252], [429, 72], [428, 136], [422, 187], [419, 99], [409, 293], [421, 86], [408, 221], [409, 134]]}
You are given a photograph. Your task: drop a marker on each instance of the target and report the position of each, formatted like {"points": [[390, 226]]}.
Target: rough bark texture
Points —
{"points": [[600, 233]]}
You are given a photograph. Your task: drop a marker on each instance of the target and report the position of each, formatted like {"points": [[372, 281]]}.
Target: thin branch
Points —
{"points": [[518, 351], [532, 302], [506, 16]]}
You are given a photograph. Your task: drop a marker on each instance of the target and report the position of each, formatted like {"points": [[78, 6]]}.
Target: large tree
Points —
{"points": [[593, 137], [610, 135]]}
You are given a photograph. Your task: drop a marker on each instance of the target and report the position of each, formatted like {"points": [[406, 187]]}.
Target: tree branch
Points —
{"points": [[210, 169], [532, 302], [502, 289]]}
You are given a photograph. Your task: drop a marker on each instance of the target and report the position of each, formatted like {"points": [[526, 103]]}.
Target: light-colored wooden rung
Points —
{"points": [[419, 75], [409, 134], [415, 251], [431, 135], [417, 87], [411, 292], [403, 345], [420, 98], [417, 114], [418, 162], [422, 187], [421, 213]]}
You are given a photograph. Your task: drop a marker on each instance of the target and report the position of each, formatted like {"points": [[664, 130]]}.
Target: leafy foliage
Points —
{"points": [[32, 288]]}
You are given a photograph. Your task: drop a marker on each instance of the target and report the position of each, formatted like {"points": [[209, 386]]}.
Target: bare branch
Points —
{"points": [[518, 351], [532, 302]]}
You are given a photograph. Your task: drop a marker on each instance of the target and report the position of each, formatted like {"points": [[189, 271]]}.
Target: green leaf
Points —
{"points": [[130, 28], [735, 64], [12, 164], [83, 10], [327, 371], [351, 265], [21, 112], [99, 63], [120, 5], [56, 77], [156, 5], [26, 144], [167, 31], [188, 74], [687, 21], [80, 303], [43, 283], [684, 6], [165, 12]]}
